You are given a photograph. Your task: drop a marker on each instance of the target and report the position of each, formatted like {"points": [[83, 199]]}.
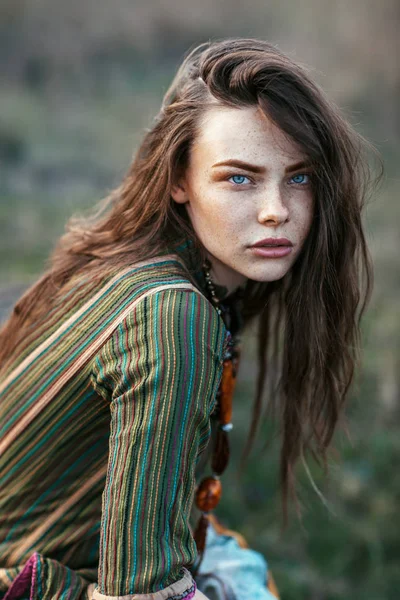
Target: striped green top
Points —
{"points": [[104, 414]]}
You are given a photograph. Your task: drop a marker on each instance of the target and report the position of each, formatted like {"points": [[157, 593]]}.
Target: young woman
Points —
{"points": [[117, 367]]}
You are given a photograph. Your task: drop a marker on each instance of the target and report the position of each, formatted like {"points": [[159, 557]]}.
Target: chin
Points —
{"points": [[268, 273]]}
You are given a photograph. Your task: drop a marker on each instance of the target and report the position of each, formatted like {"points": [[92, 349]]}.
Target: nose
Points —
{"points": [[273, 210]]}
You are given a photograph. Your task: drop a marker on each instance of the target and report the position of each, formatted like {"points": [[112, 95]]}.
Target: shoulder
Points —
{"points": [[145, 278], [157, 299], [167, 333], [183, 313], [173, 313], [105, 296]]}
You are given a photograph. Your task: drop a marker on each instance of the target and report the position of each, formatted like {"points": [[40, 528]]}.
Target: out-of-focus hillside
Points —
{"points": [[80, 83], [355, 46]]}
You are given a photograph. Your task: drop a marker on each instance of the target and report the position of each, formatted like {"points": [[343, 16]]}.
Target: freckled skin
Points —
{"points": [[231, 208]]}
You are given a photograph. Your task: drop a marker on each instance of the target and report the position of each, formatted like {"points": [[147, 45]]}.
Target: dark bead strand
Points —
{"points": [[220, 457]]}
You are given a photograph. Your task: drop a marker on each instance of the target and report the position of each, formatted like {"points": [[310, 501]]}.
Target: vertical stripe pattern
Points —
{"points": [[99, 439]]}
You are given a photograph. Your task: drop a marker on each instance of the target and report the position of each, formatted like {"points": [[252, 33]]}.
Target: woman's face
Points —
{"points": [[245, 185]]}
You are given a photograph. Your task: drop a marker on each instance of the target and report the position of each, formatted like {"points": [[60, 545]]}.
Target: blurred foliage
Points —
{"points": [[81, 82]]}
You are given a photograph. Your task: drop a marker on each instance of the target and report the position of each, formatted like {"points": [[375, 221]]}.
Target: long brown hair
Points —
{"points": [[310, 318]]}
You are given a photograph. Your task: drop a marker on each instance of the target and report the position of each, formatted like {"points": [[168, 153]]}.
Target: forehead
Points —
{"points": [[243, 133]]}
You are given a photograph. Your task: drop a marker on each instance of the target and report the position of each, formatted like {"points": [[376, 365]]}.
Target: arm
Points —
{"points": [[160, 371]]}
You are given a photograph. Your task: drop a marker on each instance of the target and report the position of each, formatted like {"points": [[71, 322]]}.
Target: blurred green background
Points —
{"points": [[81, 81]]}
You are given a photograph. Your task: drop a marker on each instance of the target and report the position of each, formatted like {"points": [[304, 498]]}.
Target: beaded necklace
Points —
{"points": [[209, 490]]}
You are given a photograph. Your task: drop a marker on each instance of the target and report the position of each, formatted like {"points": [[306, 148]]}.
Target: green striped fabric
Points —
{"points": [[104, 413]]}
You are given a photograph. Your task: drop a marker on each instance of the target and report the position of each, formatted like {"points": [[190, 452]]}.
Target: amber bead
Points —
{"points": [[227, 388], [200, 534], [208, 494]]}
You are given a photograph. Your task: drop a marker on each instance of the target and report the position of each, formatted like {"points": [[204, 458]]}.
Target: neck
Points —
{"points": [[225, 279]]}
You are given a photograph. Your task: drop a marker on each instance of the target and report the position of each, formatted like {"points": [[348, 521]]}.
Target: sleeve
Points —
{"points": [[160, 371]]}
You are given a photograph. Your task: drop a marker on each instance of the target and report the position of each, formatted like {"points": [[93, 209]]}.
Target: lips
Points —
{"points": [[272, 242], [272, 248]]}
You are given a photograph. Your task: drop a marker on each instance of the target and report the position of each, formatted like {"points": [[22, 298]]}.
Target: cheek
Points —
{"points": [[211, 209], [217, 225], [303, 218]]}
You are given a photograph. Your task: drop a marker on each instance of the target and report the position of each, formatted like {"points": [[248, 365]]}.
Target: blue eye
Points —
{"points": [[300, 178], [239, 179]]}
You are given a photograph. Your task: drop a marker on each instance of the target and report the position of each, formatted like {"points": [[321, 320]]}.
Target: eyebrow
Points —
{"points": [[258, 169]]}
